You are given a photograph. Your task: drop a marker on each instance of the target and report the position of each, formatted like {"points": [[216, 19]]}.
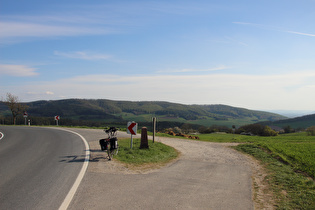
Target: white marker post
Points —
{"points": [[132, 129], [25, 116], [57, 118]]}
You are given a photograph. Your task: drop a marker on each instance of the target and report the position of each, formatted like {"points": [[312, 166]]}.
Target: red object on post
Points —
{"points": [[132, 128]]}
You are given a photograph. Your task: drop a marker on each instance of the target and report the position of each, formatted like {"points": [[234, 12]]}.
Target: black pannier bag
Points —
{"points": [[103, 144], [113, 143]]}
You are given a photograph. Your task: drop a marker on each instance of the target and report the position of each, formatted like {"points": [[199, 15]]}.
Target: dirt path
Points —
{"points": [[206, 176]]}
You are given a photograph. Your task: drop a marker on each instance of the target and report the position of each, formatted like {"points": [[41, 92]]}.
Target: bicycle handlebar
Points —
{"points": [[111, 129]]}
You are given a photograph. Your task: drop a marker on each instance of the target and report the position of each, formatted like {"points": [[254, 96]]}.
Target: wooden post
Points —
{"points": [[154, 128]]}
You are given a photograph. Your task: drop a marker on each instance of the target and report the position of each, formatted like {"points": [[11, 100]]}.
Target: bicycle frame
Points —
{"points": [[110, 143]]}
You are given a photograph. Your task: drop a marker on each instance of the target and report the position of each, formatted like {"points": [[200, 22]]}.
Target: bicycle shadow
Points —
{"points": [[73, 159], [97, 155]]}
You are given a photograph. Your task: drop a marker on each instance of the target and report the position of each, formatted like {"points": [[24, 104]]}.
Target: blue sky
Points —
{"points": [[252, 54]]}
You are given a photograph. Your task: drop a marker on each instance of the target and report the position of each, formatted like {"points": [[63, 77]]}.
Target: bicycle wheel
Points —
{"points": [[114, 151], [109, 151]]}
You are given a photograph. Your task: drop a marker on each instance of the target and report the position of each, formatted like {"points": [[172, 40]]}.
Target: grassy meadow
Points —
{"points": [[296, 149], [157, 154]]}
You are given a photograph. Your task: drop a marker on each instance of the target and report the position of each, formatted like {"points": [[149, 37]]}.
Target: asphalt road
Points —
{"points": [[206, 176], [38, 166]]}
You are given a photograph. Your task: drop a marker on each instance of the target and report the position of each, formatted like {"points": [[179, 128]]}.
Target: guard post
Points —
{"points": [[144, 138]]}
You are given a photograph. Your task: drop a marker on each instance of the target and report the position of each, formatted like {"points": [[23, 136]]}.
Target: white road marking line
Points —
{"points": [[65, 204], [1, 135]]}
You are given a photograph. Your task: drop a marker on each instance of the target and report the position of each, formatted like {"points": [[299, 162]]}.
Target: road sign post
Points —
{"points": [[57, 118], [132, 130], [25, 116]]}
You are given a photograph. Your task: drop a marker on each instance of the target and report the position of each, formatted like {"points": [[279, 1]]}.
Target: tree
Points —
{"points": [[257, 129], [311, 131], [288, 129], [268, 132], [14, 105]]}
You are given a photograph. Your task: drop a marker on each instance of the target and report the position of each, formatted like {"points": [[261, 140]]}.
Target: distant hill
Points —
{"points": [[142, 111], [296, 123], [292, 113]]}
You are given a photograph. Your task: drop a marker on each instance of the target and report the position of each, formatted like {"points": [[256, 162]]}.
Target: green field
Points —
{"points": [[290, 163], [297, 149]]}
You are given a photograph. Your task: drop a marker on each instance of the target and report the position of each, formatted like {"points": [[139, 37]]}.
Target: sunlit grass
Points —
{"points": [[157, 153]]}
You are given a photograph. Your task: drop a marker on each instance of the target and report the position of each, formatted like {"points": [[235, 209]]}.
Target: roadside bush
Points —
{"points": [[269, 132], [257, 129], [311, 131], [177, 130]]}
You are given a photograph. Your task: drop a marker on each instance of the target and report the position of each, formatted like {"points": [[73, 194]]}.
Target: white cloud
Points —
{"points": [[83, 55], [17, 70], [300, 33], [286, 91], [273, 28], [49, 93], [24, 29], [193, 70]]}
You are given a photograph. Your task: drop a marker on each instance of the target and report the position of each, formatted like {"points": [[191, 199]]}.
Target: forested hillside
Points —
{"points": [[295, 123], [143, 111]]}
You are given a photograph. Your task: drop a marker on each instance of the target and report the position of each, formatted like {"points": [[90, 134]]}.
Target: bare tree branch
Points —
{"points": [[14, 105]]}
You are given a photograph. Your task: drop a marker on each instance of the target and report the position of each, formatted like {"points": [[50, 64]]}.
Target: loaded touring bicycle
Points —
{"points": [[110, 143]]}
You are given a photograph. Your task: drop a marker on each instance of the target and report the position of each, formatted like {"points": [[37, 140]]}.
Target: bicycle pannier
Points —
{"points": [[103, 144], [113, 143]]}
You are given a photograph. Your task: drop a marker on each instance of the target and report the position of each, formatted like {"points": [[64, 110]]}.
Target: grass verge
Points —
{"points": [[291, 190], [157, 155]]}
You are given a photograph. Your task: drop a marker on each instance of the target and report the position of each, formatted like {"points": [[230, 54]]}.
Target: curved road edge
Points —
{"points": [[79, 178]]}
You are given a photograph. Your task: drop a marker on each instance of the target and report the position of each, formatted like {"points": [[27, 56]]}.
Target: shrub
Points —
{"points": [[257, 129], [311, 131], [269, 132]]}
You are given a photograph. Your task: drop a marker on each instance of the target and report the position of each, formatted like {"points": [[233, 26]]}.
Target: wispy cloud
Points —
{"points": [[15, 29], [244, 23], [193, 70], [49, 93], [90, 19], [40, 93], [300, 33], [274, 28], [84, 55], [17, 70], [24, 29]]}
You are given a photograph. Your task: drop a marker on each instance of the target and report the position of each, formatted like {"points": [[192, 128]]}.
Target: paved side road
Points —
{"points": [[206, 176]]}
